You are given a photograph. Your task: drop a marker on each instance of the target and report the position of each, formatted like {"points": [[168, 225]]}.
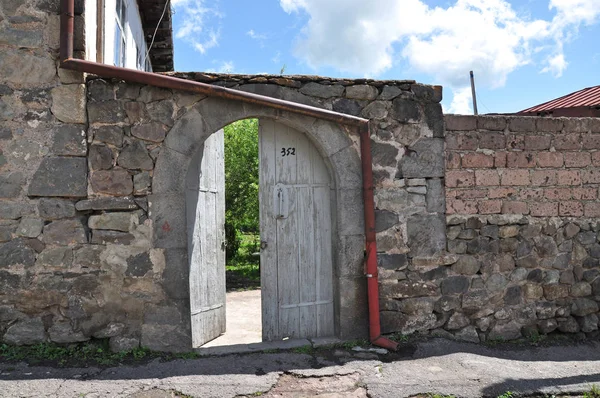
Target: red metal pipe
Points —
{"points": [[68, 62], [371, 242]]}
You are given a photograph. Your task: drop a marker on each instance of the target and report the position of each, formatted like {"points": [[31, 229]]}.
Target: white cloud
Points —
{"points": [[556, 65], [197, 23], [487, 36], [256, 36]]}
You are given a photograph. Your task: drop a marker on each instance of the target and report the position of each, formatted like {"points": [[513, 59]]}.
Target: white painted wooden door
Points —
{"points": [[207, 243], [295, 231]]}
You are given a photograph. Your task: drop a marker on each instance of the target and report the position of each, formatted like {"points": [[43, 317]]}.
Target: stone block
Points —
{"points": [[376, 110], [135, 157], [142, 183], [466, 265], [100, 157], [11, 184], [26, 332], [362, 92], [64, 232], [408, 289], [112, 135], [169, 220], [59, 257], [118, 221], [151, 94], [321, 90], [426, 234], [406, 111], [105, 112], [69, 140], [107, 204], [584, 306], [103, 237], [62, 333], [460, 122], [53, 209], [30, 227], [162, 112], [138, 265], [455, 285], [568, 325], [16, 252], [522, 124], [24, 68], [123, 343], [117, 182], [153, 131], [392, 322], [389, 93], [60, 176], [494, 123], [100, 90], [68, 103], [347, 106], [424, 159], [434, 117]]}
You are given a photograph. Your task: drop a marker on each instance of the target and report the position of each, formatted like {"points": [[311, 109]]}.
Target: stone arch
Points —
{"points": [[167, 204]]}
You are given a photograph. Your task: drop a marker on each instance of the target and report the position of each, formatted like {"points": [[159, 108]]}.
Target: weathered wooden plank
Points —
{"points": [[324, 260], [207, 269], [268, 231]]}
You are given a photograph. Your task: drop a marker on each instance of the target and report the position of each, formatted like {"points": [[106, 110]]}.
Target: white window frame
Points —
{"points": [[120, 49]]}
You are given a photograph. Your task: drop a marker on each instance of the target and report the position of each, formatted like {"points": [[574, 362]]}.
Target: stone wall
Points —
{"points": [[522, 227], [95, 240]]}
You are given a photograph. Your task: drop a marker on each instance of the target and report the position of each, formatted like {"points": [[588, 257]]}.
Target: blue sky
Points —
{"points": [[523, 52]]}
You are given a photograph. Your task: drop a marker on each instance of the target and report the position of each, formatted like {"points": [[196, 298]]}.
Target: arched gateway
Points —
{"points": [[311, 221]]}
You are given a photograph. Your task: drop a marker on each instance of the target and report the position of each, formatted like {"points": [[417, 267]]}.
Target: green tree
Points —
{"points": [[241, 182]]}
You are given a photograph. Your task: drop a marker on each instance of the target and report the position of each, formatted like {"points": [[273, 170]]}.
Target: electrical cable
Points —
{"points": [[156, 30]]}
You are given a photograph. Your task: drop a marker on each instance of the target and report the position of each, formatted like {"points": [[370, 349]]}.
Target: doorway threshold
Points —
{"points": [[266, 346]]}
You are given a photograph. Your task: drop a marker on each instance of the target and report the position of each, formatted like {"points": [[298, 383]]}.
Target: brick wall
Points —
{"points": [[543, 167]]}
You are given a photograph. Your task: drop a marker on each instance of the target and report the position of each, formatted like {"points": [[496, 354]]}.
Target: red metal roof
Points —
{"points": [[589, 97]]}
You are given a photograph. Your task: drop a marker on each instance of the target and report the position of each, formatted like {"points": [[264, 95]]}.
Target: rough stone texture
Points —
{"points": [[60, 176], [117, 182], [64, 232], [16, 252], [70, 140], [68, 103], [26, 332], [135, 156], [113, 221], [53, 209]]}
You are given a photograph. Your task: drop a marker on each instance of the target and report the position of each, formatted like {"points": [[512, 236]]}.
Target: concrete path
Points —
{"points": [[243, 316], [434, 366]]}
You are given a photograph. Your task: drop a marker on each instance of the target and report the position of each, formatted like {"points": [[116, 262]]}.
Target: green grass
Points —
{"points": [[507, 394], [243, 270], [594, 392], [93, 352], [305, 349]]}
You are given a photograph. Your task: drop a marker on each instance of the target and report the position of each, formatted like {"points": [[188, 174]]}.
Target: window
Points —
{"points": [[121, 20]]}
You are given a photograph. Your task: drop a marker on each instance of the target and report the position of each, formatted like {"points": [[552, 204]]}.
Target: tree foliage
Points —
{"points": [[241, 181]]}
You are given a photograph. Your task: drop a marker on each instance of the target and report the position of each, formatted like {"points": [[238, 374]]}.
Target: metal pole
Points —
{"points": [[473, 94]]}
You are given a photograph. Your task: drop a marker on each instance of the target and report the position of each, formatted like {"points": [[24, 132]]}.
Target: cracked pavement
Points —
{"points": [[430, 366]]}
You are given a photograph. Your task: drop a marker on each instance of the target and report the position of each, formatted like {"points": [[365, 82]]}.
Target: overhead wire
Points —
{"points": [[156, 30]]}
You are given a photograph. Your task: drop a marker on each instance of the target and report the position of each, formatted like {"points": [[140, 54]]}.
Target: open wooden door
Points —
{"points": [[206, 189], [295, 231]]}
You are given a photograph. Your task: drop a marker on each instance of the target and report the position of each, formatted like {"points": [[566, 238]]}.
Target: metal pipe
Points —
{"points": [[371, 243], [473, 94], [68, 62]]}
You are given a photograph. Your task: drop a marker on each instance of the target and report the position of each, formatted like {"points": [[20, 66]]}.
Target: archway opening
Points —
{"points": [[242, 235]]}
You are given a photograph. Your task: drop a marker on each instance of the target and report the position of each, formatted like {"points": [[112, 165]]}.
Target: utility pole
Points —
{"points": [[473, 94]]}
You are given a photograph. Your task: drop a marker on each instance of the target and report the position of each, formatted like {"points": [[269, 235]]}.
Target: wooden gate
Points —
{"points": [[207, 242], [295, 228]]}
